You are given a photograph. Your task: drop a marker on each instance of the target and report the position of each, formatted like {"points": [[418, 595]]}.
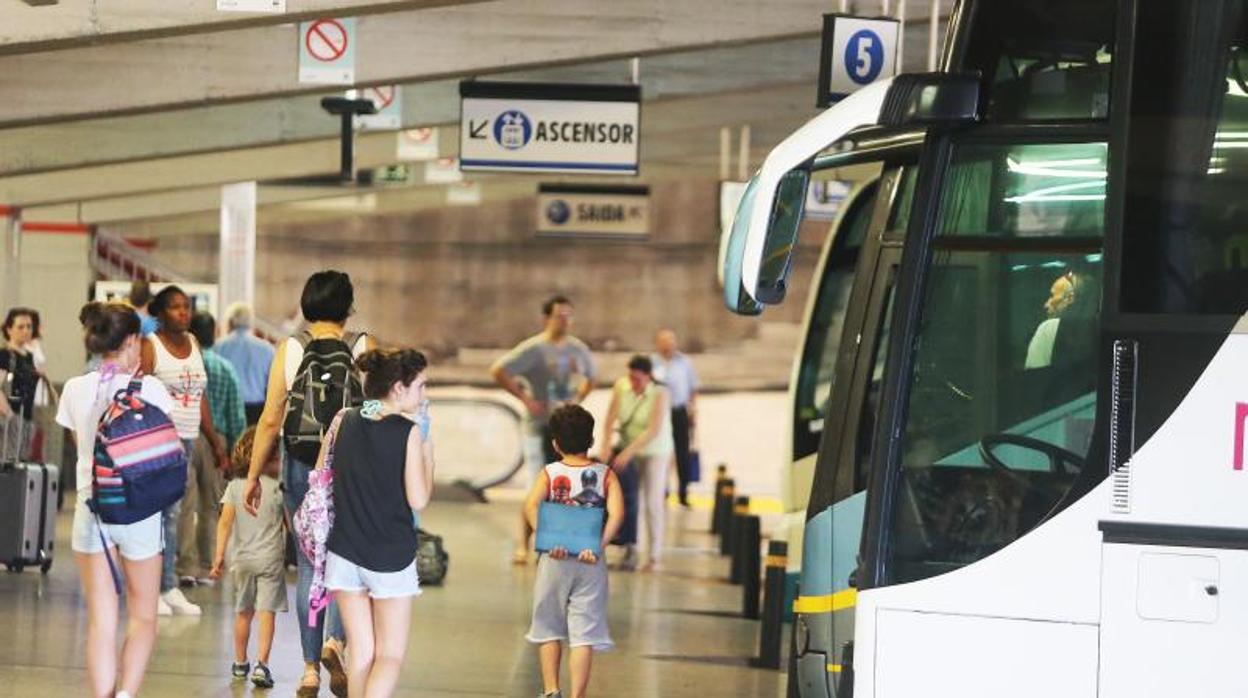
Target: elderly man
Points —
{"points": [[675, 370], [250, 356], [1062, 295]]}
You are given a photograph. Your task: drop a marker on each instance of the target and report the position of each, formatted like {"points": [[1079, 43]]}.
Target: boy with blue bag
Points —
{"points": [[576, 507]]}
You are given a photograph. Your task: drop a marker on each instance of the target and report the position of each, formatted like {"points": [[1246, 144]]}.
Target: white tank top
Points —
{"points": [[584, 486], [186, 382]]}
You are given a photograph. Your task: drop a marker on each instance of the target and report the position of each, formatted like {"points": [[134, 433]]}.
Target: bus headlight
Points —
{"points": [[801, 635]]}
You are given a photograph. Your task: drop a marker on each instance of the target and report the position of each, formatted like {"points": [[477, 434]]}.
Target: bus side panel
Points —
{"points": [[934, 654], [1180, 608], [826, 605], [1156, 556]]}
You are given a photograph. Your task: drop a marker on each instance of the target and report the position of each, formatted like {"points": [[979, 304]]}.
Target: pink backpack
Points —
{"points": [[313, 521]]}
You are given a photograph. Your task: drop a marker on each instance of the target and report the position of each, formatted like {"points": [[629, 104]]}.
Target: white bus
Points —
{"points": [[1030, 473]]}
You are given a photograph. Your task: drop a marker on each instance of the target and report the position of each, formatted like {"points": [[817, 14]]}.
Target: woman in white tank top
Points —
{"points": [[172, 356]]}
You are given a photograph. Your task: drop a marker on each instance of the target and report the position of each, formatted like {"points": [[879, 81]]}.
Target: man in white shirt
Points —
{"points": [[674, 369]]}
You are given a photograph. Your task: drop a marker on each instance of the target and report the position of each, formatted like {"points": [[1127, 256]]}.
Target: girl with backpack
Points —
{"points": [[301, 362], [112, 330], [173, 356], [382, 466]]}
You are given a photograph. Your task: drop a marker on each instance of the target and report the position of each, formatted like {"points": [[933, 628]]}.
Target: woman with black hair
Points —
{"points": [[327, 302], [21, 364], [173, 356]]}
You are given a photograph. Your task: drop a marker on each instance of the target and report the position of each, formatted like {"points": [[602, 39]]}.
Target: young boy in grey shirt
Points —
{"points": [[257, 546]]}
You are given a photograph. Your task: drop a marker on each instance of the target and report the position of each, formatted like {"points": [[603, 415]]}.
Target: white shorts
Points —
{"points": [[344, 575], [136, 541]]}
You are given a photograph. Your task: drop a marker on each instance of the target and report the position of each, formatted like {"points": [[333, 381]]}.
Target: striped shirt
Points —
{"points": [[186, 381]]}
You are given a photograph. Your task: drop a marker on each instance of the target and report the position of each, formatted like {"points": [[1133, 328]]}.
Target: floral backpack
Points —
{"points": [[314, 520]]}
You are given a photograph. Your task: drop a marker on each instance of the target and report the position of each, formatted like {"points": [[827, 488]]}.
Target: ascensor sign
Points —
{"points": [[531, 127]]}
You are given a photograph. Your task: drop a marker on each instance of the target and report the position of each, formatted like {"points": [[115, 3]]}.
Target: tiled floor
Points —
{"points": [[675, 630]]}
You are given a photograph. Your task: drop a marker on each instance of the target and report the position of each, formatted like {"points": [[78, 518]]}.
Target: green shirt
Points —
{"points": [[634, 417], [225, 399]]}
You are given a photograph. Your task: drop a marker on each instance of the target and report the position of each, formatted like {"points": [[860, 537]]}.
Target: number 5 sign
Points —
{"points": [[856, 52]]}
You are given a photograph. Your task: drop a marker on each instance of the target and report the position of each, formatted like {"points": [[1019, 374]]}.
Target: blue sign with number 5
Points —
{"points": [[864, 56]]}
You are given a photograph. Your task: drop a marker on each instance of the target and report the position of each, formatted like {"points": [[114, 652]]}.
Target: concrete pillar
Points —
{"points": [[10, 254], [237, 277], [56, 280]]}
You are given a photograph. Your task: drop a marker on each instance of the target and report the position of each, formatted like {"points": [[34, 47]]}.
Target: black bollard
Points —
{"points": [[769, 634], [724, 490], [750, 540], [740, 509], [725, 516]]}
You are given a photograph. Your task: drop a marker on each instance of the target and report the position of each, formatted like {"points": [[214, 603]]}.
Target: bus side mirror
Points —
{"points": [[931, 99]]}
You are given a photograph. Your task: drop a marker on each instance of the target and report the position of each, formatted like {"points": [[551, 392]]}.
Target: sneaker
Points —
{"points": [[262, 677], [556, 694], [331, 659], [240, 671], [186, 581], [205, 582], [162, 608], [179, 604]]}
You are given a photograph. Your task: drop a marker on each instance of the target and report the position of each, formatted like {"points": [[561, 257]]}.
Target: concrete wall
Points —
{"points": [[55, 280], [458, 277]]}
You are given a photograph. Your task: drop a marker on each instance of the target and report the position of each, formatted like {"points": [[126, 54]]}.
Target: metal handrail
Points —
{"points": [[478, 487], [115, 257]]}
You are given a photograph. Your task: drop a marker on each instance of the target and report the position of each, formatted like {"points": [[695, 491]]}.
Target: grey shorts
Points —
{"points": [[259, 591], [570, 604], [343, 575]]}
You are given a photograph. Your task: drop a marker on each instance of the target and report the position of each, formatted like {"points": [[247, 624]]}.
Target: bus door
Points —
{"points": [[835, 517]]}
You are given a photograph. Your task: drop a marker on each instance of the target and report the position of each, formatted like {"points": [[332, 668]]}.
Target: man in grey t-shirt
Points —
{"points": [[545, 371]]}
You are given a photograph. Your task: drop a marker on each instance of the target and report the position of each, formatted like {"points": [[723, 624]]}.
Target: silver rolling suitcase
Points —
{"points": [[28, 507]]}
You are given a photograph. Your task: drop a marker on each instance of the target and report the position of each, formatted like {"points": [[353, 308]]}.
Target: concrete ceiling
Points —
{"points": [[400, 47], [68, 23], [276, 121], [173, 131]]}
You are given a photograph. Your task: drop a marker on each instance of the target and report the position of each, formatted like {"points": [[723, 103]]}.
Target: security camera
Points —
{"points": [[347, 109], [343, 106]]}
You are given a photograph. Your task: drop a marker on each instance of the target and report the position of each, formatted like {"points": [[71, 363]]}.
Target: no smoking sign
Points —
{"points": [[327, 51], [389, 102]]}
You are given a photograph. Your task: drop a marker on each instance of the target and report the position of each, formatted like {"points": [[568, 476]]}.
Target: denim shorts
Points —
{"points": [[344, 575], [137, 541]]}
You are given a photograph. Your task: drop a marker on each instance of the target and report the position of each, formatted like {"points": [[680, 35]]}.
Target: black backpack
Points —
{"points": [[326, 382], [431, 558]]}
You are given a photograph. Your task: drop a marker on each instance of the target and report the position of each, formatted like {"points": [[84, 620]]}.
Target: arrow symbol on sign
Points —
{"points": [[476, 129]]}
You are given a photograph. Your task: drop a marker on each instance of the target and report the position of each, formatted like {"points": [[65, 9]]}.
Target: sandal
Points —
{"points": [[310, 684], [331, 659]]}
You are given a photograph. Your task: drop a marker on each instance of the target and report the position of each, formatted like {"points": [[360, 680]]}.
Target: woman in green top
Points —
{"points": [[639, 417]]}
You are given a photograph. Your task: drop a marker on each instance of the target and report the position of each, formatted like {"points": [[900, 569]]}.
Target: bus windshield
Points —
{"points": [[1002, 395], [823, 336]]}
